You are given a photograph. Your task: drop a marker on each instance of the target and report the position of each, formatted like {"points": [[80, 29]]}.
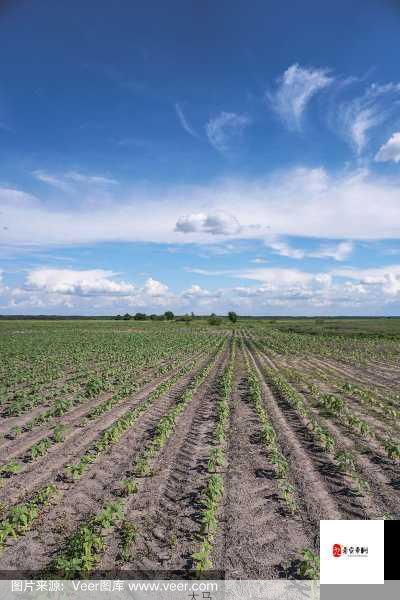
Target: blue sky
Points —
{"points": [[200, 156]]}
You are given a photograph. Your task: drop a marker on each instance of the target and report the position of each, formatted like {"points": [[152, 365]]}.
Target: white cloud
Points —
{"points": [[155, 288], [195, 291], [360, 115], [88, 291], [296, 88], [183, 121], [380, 284], [277, 276], [387, 278], [219, 223], [276, 291], [224, 129], [258, 260], [390, 151], [81, 283]]}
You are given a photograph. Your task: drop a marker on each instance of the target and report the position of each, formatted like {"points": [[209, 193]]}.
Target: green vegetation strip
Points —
{"points": [[34, 452], [214, 489], [22, 516], [268, 435]]}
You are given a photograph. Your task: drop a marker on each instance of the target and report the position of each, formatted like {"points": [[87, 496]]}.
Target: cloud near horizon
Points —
{"points": [[287, 289], [348, 206]]}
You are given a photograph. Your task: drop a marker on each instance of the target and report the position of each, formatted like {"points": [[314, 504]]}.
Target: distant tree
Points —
{"points": [[232, 316], [118, 318], [140, 316], [185, 318], [192, 315], [214, 320], [169, 315], [153, 317], [126, 317]]}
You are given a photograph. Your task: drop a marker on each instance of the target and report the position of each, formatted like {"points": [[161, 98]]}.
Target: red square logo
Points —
{"points": [[337, 550]]}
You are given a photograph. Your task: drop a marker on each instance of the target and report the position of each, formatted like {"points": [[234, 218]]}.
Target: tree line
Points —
{"points": [[213, 319]]}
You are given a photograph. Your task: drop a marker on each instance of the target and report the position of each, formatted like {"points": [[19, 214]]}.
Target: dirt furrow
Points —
{"points": [[256, 534], [315, 475], [356, 374]]}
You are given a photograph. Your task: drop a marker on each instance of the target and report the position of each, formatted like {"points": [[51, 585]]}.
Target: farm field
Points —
{"points": [[171, 447]]}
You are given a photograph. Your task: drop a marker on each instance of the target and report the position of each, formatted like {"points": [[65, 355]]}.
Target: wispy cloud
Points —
{"points": [[65, 181], [358, 116], [210, 272], [89, 179], [52, 180], [183, 121], [338, 252], [296, 87], [390, 151], [284, 249], [225, 128]]}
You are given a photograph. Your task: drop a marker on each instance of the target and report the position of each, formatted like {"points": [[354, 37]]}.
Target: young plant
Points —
{"points": [[129, 487], [309, 566], [392, 449], [216, 459], [10, 468], [59, 433], [128, 533]]}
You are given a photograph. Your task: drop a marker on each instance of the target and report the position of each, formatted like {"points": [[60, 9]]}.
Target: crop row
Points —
{"points": [[343, 459], [113, 433], [109, 374], [214, 488], [84, 548], [269, 438]]}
